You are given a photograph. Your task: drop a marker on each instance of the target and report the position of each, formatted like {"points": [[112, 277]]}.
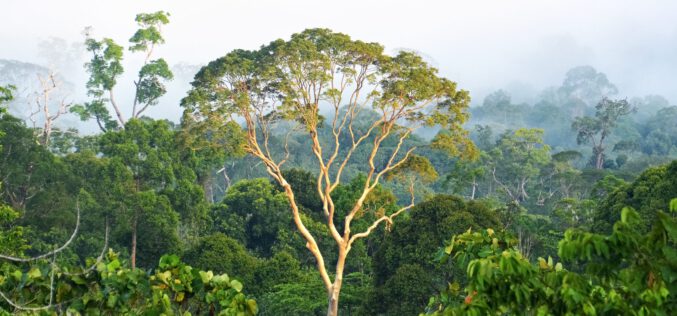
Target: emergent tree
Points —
{"points": [[105, 68], [319, 70], [595, 130]]}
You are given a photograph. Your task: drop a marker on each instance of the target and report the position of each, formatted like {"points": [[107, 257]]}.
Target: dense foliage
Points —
{"points": [[556, 207], [108, 288], [625, 273]]}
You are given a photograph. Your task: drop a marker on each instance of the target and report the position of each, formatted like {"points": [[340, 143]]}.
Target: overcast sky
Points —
{"points": [[483, 45]]}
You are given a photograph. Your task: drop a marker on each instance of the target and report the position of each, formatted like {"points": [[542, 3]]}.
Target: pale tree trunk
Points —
{"points": [[118, 112], [474, 188], [599, 152], [134, 242], [599, 159], [208, 187], [257, 119], [333, 294]]}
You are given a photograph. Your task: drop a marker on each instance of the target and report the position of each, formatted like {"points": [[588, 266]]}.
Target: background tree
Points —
{"points": [[596, 130], [290, 79], [45, 109], [585, 84], [647, 194], [161, 190], [260, 211], [659, 133], [222, 254], [411, 246], [105, 69], [516, 162]]}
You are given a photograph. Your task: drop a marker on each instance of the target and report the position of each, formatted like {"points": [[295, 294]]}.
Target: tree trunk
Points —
{"points": [[333, 301], [334, 293], [207, 186], [599, 160], [474, 188], [134, 243]]}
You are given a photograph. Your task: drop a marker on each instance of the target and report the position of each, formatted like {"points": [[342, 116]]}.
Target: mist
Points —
{"points": [[522, 47]]}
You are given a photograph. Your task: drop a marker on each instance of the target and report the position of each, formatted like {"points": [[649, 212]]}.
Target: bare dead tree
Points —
{"points": [[44, 109]]}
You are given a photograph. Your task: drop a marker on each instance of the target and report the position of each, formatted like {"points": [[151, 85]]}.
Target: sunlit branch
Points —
{"points": [[386, 218]]}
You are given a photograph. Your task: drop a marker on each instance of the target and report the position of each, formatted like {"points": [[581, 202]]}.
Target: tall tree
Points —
{"points": [[289, 80], [161, 188], [596, 130], [105, 68]]}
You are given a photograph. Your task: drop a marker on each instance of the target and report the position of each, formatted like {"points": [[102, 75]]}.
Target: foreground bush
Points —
{"points": [[625, 273], [108, 288]]}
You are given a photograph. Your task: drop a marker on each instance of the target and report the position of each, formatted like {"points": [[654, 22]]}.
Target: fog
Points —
{"points": [[520, 46]]}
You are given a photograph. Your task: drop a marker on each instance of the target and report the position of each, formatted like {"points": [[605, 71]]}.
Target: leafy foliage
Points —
{"points": [[648, 194], [412, 244], [618, 278], [173, 288], [105, 68]]}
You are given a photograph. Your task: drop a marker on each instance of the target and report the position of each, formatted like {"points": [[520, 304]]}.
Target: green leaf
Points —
{"points": [[450, 248], [34, 273], [221, 279], [624, 214], [112, 300], [164, 276], [169, 261], [669, 223], [113, 265], [236, 285], [253, 307], [206, 276]]}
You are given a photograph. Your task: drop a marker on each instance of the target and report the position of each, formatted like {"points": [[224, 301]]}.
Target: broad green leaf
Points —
{"points": [[236, 285], [206, 276], [34, 273]]}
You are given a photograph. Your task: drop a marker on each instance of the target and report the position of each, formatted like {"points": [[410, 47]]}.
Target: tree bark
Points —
{"points": [[118, 113], [474, 188], [333, 301], [599, 159], [335, 290], [207, 186], [134, 243]]}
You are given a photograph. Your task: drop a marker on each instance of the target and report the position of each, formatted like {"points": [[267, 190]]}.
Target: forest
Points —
{"points": [[321, 175]]}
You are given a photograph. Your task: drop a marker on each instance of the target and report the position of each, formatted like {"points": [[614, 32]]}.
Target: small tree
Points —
{"points": [[105, 68], [292, 80], [596, 130]]}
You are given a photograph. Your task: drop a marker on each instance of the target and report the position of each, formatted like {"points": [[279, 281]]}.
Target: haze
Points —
{"points": [[520, 46]]}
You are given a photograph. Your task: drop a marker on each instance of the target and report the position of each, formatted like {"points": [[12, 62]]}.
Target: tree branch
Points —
{"points": [[388, 219], [53, 252]]}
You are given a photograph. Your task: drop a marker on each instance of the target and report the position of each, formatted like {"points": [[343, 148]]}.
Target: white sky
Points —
{"points": [[483, 45]]}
